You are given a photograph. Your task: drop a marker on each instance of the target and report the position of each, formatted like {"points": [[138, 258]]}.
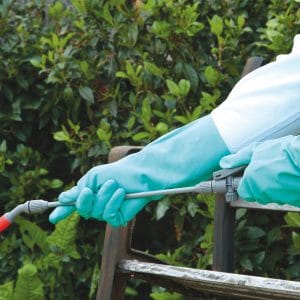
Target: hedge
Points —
{"points": [[79, 77]]}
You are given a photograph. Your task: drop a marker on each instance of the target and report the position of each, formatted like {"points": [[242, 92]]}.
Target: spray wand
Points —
{"points": [[223, 182]]}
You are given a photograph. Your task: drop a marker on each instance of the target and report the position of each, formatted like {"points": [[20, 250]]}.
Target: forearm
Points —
{"points": [[264, 104], [182, 157]]}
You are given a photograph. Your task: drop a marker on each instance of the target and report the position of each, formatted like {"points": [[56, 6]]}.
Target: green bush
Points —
{"points": [[76, 80]]}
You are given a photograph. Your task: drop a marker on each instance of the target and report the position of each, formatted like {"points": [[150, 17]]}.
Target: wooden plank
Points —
{"points": [[216, 283], [272, 206], [108, 264], [252, 64], [224, 215], [119, 152], [224, 228]]}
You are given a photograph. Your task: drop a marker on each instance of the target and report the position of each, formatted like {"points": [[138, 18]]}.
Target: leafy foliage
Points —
{"points": [[6, 291], [77, 79], [28, 285]]}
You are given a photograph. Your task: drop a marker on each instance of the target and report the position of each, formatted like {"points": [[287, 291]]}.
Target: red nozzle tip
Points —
{"points": [[4, 223]]}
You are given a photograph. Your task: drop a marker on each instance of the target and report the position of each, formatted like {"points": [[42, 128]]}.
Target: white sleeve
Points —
{"points": [[265, 104]]}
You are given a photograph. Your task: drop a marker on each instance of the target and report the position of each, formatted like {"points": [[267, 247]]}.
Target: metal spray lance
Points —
{"points": [[223, 182]]}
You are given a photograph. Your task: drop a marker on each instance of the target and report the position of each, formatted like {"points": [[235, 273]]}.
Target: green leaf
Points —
{"points": [[162, 207], [181, 119], [68, 93], [129, 291], [80, 5], [103, 135], [6, 291], [36, 62], [246, 263], [84, 67], [161, 29], [117, 2], [56, 9], [121, 74], [133, 33], [216, 25], [55, 41], [296, 239], [184, 87], [241, 21], [28, 285], [166, 296], [146, 110], [62, 136], [240, 212], [254, 232], [192, 208], [43, 171], [131, 122], [87, 94], [173, 87], [94, 281], [153, 69], [3, 146], [259, 258], [162, 127], [64, 236], [191, 74], [273, 235], [292, 219], [129, 69], [207, 242], [56, 184], [49, 261], [211, 75], [106, 15], [32, 234], [141, 136]]}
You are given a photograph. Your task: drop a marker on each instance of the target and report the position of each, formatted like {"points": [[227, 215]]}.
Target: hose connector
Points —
{"points": [[29, 207]]}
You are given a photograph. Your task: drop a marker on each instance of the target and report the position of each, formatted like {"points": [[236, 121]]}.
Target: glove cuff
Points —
{"points": [[182, 157]]}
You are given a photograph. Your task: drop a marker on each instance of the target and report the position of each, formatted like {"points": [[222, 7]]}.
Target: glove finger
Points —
{"points": [[128, 211], [242, 157], [70, 195], [117, 220], [103, 196], [245, 190], [60, 213], [131, 207], [85, 202], [111, 210]]}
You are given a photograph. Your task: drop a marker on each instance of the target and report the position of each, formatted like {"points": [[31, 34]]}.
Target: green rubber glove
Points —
{"points": [[183, 157], [273, 173]]}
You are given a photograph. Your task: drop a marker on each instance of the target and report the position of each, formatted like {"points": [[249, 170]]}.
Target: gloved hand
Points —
{"points": [[273, 173], [183, 157]]}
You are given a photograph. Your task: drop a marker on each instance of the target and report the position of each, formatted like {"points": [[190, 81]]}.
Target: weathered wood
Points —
{"points": [[254, 205], [119, 152], [113, 250], [252, 63], [224, 217], [217, 283], [117, 246], [223, 247]]}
